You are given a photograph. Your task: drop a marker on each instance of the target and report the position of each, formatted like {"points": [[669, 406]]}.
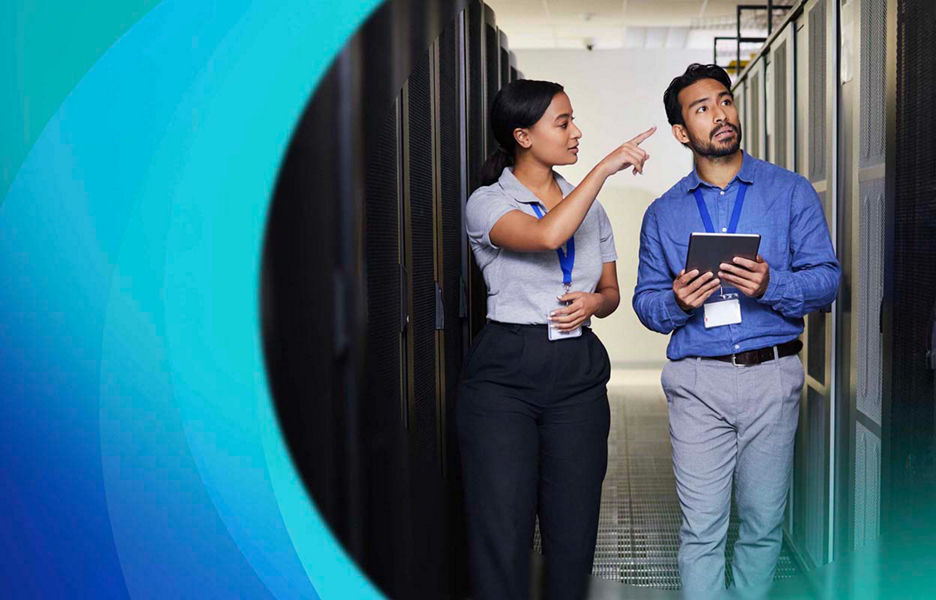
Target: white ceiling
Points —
{"points": [[620, 23]]}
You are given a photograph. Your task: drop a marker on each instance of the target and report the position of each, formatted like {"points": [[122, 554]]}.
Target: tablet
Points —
{"points": [[708, 250]]}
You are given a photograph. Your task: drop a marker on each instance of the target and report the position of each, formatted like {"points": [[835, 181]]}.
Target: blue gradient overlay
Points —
{"points": [[140, 452]]}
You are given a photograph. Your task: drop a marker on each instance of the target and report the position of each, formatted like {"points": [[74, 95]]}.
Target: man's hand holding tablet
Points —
{"points": [[692, 290], [715, 259], [750, 276]]}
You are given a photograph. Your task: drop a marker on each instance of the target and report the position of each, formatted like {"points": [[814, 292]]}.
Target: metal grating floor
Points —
{"points": [[638, 529]]}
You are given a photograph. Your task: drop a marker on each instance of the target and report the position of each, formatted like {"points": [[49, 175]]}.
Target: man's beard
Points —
{"points": [[712, 150]]}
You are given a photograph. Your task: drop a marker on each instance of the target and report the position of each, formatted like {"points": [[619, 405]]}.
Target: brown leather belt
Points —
{"points": [[756, 357]]}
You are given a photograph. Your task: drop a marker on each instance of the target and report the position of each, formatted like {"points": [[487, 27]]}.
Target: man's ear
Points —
{"points": [[523, 137], [680, 133]]}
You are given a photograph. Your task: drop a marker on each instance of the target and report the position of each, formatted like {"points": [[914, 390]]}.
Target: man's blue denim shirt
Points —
{"points": [[785, 210]]}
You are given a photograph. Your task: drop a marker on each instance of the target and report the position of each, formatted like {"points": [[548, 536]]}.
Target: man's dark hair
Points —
{"points": [[693, 73]]}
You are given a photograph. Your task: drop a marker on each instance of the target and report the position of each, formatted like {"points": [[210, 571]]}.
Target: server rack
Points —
{"points": [[419, 243], [504, 54], [450, 119], [867, 411], [780, 140], [780, 109], [492, 62], [866, 70], [305, 238], [740, 102], [755, 111], [452, 193], [369, 293], [346, 352], [478, 133], [385, 360], [797, 68], [817, 455], [386, 487], [910, 278], [419, 181]]}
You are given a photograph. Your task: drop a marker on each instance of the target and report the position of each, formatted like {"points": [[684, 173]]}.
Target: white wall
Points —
{"points": [[615, 95]]}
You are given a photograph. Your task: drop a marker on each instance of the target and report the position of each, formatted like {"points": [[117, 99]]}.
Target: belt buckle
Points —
{"points": [[734, 360]]}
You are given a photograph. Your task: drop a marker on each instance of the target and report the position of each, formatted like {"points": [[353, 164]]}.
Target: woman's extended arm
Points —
{"points": [[521, 232]]}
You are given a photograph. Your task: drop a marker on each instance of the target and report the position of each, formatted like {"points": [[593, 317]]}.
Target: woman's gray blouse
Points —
{"points": [[523, 286]]}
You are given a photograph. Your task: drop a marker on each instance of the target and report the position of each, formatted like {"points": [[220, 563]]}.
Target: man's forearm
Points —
{"points": [[659, 311], [797, 293]]}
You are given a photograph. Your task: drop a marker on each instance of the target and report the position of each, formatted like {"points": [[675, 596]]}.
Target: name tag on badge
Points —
{"points": [[722, 312], [555, 334]]}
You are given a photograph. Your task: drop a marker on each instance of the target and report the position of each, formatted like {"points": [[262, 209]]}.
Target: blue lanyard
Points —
{"points": [[735, 214], [567, 258]]}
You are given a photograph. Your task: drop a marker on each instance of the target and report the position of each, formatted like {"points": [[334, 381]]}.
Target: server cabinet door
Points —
{"points": [[304, 367], [384, 385], [757, 137], [910, 301], [477, 124], [451, 244], [780, 140], [739, 99], [504, 58], [815, 154], [420, 255], [419, 204], [449, 159], [780, 100], [492, 59], [861, 221]]}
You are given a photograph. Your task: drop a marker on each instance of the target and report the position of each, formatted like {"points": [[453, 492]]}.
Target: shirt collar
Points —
{"points": [[521, 193], [746, 174]]}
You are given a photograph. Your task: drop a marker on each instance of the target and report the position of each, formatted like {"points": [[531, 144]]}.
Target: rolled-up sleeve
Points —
{"points": [[654, 301], [484, 209], [813, 279]]}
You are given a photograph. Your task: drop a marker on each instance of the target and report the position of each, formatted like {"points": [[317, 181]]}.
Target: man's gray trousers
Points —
{"points": [[731, 425]]}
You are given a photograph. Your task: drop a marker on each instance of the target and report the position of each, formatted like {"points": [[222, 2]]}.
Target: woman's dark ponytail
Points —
{"points": [[518, 104], [494, 165]]}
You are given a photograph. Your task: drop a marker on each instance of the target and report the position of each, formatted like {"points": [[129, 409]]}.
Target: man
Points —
{"points": [[733, 379]]}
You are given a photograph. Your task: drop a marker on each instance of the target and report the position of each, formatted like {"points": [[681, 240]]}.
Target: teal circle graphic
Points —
{"points": [[139, 439]]}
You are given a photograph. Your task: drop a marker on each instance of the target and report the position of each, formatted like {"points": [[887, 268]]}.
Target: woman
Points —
{"points": [[533, 413]]}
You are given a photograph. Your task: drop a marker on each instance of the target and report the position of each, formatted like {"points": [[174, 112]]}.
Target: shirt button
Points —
{"points": [[724, 229], [736, 346], [721, 193]]}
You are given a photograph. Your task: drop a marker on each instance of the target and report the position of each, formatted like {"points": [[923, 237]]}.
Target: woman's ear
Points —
{"points": [[680, 133], [522, 136]]}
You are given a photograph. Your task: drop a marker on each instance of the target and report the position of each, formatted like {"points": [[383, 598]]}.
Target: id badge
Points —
{"points": [[723, 312], [555, 334]]}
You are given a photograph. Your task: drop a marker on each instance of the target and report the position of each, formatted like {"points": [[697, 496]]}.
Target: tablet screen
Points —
{"points": [[708, 250]]}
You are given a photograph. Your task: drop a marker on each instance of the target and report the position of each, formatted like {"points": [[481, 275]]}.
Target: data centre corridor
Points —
{"points": [[371, 297]]}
